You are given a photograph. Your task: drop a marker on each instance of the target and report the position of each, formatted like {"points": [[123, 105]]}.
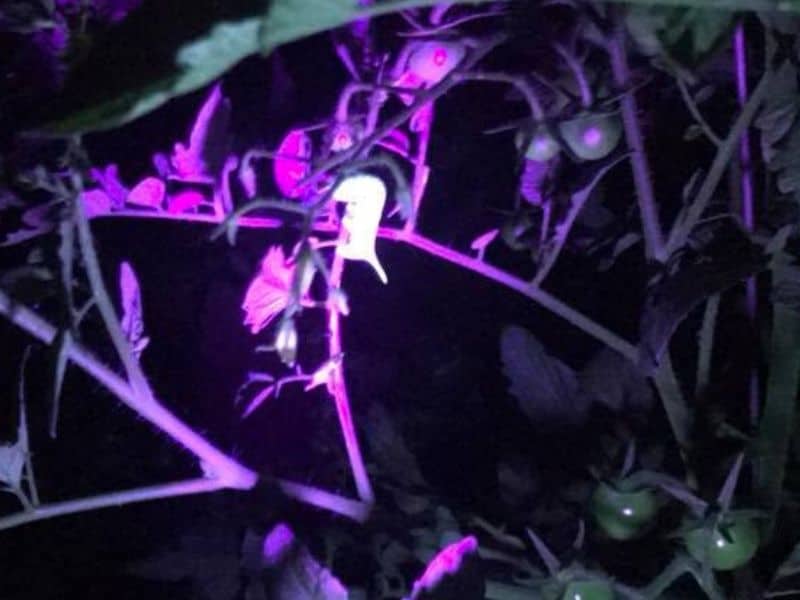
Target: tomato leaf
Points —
{"points": [[546, 389]]}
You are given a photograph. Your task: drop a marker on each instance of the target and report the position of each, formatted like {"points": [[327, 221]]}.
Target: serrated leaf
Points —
{"points": [[546, 390]]}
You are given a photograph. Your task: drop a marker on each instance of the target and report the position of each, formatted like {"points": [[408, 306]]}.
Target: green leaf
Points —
{"points": [[687, 30], [189, 45], [771, 447]]}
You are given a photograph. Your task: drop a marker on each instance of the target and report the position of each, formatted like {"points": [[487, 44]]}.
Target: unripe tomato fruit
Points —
{"points": [[725, 554], [591, 136], [542, 146], [623, 514], [588, 590]]}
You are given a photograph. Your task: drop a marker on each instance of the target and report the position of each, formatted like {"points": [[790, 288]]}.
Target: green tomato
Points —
{"points": [[591, 136], [729, 553], [588, 590], [622, 514], [542, 147]]}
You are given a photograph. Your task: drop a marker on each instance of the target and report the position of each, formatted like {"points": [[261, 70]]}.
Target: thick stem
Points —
{"points": [[338, 389], [648, 208]]}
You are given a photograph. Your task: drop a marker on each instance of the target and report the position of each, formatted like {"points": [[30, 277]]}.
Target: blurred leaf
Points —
{"points": [[786, 580], [389, 449], [547, 390], [302, 577], [685, 30], [615, 381], [771, 447], [212, 567]]}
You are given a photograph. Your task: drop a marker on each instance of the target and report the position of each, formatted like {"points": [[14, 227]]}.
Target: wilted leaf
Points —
{"points": [[547, 390]]}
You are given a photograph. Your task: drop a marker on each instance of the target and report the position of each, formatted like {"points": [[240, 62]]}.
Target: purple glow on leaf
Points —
{"points": [[446, 562], [109, 181], [148, 192], [292, 164], [364, 196], [95, 203], [277, 544], [532, 181], [184, 201], [247, 177], [268, 293]]}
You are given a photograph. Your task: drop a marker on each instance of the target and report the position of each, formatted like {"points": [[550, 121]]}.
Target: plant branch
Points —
{"points": [[695, 112], [120, 498], [525, 288], [136, 376], [338, 388], [648, 208], [29, 474], [684, 226]]}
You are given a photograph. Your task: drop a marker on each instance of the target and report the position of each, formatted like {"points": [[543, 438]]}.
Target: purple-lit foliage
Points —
{"points": [[328, 183]]}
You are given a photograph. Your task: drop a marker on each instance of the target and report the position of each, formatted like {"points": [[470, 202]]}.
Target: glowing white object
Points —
{"points": [[364, 196]]}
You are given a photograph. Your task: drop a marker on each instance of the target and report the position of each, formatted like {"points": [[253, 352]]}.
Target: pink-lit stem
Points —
{"points": [[421, 170], [143, 494], [748, 205], [525, 288], [338, 388]]}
